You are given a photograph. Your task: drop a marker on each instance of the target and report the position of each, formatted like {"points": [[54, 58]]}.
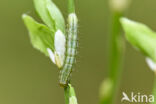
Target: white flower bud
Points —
{"points": [[58, 55], [119, 5], [60, 48]]}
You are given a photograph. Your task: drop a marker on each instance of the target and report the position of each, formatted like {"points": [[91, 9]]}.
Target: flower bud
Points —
{"points": [[151, 64], [106, 89], [119, 5], [58, 55]]}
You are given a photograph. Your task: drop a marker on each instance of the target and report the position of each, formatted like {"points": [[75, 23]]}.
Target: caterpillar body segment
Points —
{"points": [[71, 50]]}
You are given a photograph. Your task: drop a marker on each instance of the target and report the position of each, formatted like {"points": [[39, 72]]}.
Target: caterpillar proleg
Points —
{"points": [[71, 48]]}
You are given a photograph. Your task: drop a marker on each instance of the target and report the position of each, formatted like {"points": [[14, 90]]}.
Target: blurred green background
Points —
{"points": [[28, 77]]}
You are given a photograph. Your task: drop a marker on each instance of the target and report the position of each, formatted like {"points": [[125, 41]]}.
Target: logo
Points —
{"points": [[138, 98]]}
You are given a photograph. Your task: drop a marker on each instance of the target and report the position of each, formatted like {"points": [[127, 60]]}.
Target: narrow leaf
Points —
{"points": [[50, 14], [141, 37], [40, 35], [56, 15]]}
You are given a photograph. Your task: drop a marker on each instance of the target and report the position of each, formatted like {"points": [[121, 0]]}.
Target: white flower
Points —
{"points": [[151, 64], [51, 55], [59, 43], [58, 55]]}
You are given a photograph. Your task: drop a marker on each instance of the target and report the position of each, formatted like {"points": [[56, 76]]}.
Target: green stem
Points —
{"points": [[154, 89], [69, 93], [66, 95], [116, 57], [71, 6], [70, 96]]}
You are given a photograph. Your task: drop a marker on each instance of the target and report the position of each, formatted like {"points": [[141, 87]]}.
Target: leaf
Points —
{"points": [[141, 37], [40, 35], [56, 15], [50, 14]]}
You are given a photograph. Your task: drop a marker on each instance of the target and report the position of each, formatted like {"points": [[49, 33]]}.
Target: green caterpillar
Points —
{"points": [[71, 50]]}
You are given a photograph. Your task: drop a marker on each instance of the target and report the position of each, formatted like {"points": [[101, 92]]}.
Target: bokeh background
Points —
{"points": [[28, 77]]}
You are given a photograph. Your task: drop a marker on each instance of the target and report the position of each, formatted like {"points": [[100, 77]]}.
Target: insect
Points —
{"points": [[50, 38], [71, 49]]}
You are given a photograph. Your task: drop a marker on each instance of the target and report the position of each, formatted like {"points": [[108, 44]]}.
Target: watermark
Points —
{"points": [[137, 97]]}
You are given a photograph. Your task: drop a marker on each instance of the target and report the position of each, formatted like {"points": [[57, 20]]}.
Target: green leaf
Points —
{"points": [[141, 37], [40, 35], [56, 15], [50, 14]]}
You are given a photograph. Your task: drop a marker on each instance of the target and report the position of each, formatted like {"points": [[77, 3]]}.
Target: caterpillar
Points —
{"points": [[71, 50]]}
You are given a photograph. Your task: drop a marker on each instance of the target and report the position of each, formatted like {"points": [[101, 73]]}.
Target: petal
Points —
{"points": [[51, 55], [151, 64], [59, 43]]}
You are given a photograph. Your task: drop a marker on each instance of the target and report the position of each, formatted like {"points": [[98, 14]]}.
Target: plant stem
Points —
{"points": [[71, 6], [154, 89], [70, 97], [66, 95], [116, 54], [116, 57], [69, 93]]}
